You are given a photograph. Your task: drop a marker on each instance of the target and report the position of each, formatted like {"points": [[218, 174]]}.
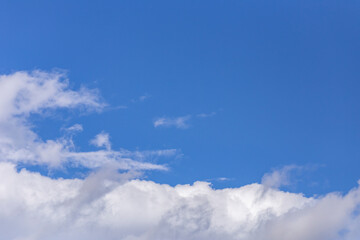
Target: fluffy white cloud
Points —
{"points": [[102, 140], [107, 205], [22, 93]]}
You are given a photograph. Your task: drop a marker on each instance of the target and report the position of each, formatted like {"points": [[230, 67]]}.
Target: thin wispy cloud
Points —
{"points": [[280, 177], [117, 107], [141, 98], [130, 102], [206, 115], [178, 122], [75, 128], [144, 97], [26, 93], [223, 179], [219, 179]]}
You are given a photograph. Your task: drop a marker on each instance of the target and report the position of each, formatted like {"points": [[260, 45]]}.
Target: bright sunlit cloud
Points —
{"points": [[108, 205]]}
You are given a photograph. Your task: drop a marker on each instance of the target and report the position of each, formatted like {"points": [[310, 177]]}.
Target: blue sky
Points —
{"points": [[261, 84], [181, 120]]}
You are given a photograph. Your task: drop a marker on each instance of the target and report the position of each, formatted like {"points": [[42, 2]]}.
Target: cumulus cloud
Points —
{"points": [[107, 205], [178, 122], [102, 140], [26, 93]]}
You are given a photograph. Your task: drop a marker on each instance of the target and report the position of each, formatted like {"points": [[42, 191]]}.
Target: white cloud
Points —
{"points": [[279, 177], [23, 94], [75, 128], [102, 140], [108, 205], [178, 122]]}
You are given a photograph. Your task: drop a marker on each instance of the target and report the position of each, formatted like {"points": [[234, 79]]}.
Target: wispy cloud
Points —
{"points": [[129, 103], [26, 93], [75, 128], [219, 179], [102, 140], [279, 177], [141, 98], [178, 122], [206, 115], [117, 107]]}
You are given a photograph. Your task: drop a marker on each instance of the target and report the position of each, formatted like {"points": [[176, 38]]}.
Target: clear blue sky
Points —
{"points": [[281, 78]]}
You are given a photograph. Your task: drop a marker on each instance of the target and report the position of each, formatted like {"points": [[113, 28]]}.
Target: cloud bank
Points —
{"points": [[109, 205], [102, 206]]}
